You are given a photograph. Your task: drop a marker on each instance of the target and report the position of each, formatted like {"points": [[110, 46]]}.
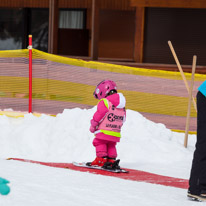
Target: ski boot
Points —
{"points": [[99, 161], [111, 164], [198, 198]]}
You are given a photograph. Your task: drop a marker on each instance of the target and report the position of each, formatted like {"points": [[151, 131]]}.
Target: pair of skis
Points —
{"points": [[112, 169]]}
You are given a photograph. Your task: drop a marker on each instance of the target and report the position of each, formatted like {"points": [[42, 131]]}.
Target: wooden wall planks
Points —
{"points": [[169, 3], [104, 4]]}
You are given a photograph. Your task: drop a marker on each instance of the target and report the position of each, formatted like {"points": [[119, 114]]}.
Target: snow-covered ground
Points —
{"points": [[144, 145]]}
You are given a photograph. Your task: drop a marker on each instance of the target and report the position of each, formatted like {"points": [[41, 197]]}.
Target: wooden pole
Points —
{"points": [[181, 71], [53, 26], [139, 34], [95, 30], [189, 101]]}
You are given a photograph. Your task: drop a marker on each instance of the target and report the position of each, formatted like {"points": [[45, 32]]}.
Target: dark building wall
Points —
{"points": [[116, 39], [104, 4], [117, 33], [184, 27], [123, 33]]}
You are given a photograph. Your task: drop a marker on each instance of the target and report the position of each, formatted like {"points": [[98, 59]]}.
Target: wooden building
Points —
{"points": [[133, 32]]}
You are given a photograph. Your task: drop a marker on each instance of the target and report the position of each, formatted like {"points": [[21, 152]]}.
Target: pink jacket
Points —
{"points": [[118, 100]]}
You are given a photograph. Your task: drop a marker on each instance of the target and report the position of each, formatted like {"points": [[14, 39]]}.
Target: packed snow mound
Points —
{"points": [[65, 138]]}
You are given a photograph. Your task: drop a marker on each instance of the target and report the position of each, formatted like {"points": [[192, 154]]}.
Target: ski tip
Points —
{"points": [[125, 171]]}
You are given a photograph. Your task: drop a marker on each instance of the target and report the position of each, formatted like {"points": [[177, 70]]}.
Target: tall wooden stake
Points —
{"points": [[189, 101], [181, 71]]}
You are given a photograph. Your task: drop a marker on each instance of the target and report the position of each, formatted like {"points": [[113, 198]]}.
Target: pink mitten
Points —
{"points": [[94, 126]]}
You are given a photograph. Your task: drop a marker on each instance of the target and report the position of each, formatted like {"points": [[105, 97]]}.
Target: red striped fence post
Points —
{"points": [[30, 73]]}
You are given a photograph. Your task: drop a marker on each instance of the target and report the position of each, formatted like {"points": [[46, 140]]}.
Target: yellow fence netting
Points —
{"points": [[59, 83]]}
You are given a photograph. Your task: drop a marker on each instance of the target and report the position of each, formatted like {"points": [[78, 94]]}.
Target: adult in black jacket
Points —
{"points": [[197, 181]]}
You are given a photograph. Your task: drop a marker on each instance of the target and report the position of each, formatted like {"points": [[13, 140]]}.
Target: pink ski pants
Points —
{"points": [[105, 148]]}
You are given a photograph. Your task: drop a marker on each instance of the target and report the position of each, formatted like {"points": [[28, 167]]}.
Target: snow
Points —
{"points": [[144, 145]]}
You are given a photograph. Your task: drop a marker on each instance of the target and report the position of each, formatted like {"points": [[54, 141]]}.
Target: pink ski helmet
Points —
{"points": [[103, 88]]}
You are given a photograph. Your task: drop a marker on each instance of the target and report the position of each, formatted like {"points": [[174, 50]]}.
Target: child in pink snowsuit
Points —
{"points": [[107, 122]]}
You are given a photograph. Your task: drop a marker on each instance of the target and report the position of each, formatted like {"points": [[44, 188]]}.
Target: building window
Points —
{"points": [[17, 24], [38, 27], [71, 19], [73, 37], [11, 27]]}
